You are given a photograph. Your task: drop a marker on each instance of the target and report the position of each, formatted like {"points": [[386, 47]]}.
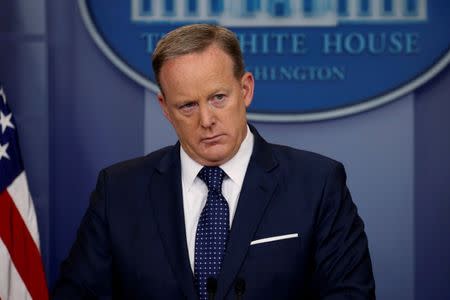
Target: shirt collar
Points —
{"points": [[235, 168], [189, 169]]}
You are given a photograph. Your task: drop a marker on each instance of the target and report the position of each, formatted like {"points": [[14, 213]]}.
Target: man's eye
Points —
{"points": [[188, 106], [219, 97]]}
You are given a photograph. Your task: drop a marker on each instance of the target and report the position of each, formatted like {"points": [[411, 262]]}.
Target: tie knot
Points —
{"points": [[213, 177]]}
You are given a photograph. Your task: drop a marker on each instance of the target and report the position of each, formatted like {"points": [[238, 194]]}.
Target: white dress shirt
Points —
{"points": [[195, 190]]}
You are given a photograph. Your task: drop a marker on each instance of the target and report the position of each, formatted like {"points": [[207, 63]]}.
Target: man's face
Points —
{"points": [[206, 104]]}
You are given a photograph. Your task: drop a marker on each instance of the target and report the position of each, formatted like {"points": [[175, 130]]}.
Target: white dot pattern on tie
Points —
{"points": [[212, 230]]}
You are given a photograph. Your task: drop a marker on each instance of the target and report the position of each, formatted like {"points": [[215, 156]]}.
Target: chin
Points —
{"points": [[217, 154], [215, 159]]}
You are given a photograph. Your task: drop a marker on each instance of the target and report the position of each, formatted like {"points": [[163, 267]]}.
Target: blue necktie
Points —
{"points": [[212, 230]]}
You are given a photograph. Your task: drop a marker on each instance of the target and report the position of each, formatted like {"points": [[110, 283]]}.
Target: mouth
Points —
{"points": [[212, 139]]}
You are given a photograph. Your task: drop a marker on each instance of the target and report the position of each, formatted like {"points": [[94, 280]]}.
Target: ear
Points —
{"points": [[248, 86], [163, 103]]}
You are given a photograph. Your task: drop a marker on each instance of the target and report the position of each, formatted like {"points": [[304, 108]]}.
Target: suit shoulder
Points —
{"points": [[138, 165], [305, 160]]}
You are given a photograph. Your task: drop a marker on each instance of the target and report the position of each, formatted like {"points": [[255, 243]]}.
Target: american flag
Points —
{"points": [[21, 271]]}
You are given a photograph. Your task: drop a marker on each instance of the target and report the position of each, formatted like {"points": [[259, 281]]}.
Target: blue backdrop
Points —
{"points": [[77, 113]]}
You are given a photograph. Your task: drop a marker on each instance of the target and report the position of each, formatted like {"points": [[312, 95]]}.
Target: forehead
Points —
{"points": [[197, 70]]}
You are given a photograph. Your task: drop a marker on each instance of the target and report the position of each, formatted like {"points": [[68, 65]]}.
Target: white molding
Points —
{"points": [[145, 82]]}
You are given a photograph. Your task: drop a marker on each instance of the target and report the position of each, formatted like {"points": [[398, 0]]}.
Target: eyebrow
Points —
{"points": [[184, 102], [219, 91]]}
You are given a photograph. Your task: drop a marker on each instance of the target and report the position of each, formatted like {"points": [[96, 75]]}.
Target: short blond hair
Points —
{"points": [[196, 38]]}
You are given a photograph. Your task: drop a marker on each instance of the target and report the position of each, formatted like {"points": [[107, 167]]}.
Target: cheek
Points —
{"points": [[236, 115], [185, 130]]}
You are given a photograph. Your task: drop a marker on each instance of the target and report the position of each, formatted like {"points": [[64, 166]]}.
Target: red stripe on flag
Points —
{"points": [[22, 249]]}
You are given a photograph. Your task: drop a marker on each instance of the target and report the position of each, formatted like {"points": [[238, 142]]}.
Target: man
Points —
{"points": [[222, 214]]}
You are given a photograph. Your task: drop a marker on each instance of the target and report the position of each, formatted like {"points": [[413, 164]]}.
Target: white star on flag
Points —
{"points": [[2, 95], [5, 121], [3, 152]]}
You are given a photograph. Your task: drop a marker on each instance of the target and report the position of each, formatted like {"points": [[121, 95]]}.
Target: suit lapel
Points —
{"points": [[259, 185], [166, 197]]}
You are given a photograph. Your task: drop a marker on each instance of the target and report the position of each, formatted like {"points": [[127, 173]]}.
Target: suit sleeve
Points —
{"points": [[86, 273], [342, 261]]}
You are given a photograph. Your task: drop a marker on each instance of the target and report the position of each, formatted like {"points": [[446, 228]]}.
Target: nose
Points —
{"points": [[207, 117]]}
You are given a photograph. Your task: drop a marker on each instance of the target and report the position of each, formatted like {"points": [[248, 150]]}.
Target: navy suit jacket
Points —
{"points": [[131, 243]]}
